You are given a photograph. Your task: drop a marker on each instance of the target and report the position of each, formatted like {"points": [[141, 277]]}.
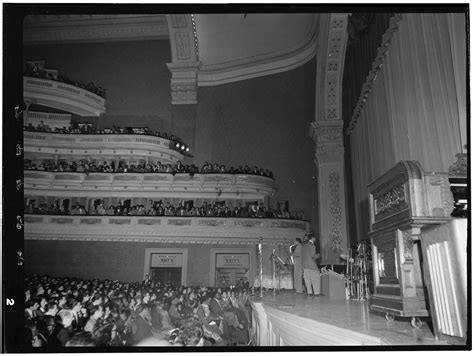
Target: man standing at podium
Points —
{"points": [[297, 254], [312, 277]]}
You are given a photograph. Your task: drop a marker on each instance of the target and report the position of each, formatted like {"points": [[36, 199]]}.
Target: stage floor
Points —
{"points": [[352, 315]]}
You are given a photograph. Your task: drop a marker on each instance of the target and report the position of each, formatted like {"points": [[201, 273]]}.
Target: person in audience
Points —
{"points": [[53, 308], [76, 306], [141, 324], [160, 319], [42, 306], [96, 312], [65, 330], [32, 306]]}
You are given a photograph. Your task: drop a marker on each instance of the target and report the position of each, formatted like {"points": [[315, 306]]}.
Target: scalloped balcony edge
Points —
{"points": [[69, 98]]}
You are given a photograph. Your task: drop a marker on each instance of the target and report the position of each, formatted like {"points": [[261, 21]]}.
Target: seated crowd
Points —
{"points": [[85, 166], [158, 208], [36, 72], [87, 128], [73, 312]]}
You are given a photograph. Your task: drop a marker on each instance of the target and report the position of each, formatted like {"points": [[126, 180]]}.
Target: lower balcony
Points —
{"points": [[163, 229]]}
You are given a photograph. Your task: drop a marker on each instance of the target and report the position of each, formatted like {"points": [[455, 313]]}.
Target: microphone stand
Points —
{"points": [[260, 252], [274, 271]]}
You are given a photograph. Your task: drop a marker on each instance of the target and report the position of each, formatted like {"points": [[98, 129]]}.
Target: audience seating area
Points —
{"points": [[36, 72], [85, 166], [87, 128], [158, 208], [71, 312]]}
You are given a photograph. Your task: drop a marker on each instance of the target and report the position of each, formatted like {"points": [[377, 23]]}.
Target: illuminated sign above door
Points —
{"points": [[166, 260], [232, 260]]}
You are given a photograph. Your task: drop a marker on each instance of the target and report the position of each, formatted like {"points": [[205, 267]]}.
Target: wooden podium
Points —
{"points": [[333, 285], [402, 202]]}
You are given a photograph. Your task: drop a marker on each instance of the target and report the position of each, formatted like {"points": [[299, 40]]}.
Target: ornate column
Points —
{"points": [[327, 132], [185, 64]]}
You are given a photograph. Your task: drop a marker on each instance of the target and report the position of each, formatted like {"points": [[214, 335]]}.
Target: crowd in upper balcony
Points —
{"points": [[87, 128], [37, 72], [73, 312], [85, 166], [159, 208]]}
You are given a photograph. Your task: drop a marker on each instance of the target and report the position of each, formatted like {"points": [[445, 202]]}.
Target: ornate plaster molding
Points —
{"points": [[327, 129], [185, 65], [328, 136], [336, 236], [93, 28], [184, 81], [377, 65], [336, 49]]}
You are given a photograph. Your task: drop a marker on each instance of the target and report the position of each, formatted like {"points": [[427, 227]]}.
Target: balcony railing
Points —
{"points": [[63, 96], [48, 116], [160, 185], [100, 145], [163, 228]]}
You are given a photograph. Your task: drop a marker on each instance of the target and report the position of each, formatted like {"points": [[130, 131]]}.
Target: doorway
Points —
{"points": [[226, 277], [166, 275], [168, 265]]}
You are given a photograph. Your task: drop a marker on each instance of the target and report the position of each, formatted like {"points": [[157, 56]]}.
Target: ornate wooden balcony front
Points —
{"points": [[149, 185], [47, 145], [63, 96], [163, 229]]}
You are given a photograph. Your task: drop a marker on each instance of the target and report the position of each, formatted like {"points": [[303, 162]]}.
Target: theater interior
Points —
{"points": [[165, 152]]}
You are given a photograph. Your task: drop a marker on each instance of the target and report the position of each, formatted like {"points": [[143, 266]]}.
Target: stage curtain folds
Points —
{"points": [[417, 107]]}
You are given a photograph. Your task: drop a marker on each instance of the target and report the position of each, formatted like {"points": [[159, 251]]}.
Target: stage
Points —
{"points": [[298, 320]]}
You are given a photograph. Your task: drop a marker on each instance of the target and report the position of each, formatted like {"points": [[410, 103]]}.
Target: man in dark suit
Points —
{"points": [[312, 277], [228, 318], [141, 325], [297, 255]]}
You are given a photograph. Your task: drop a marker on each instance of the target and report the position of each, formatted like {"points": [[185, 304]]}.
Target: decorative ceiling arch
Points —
{"points": [[215, 49], [234, 47], [184, 64]]}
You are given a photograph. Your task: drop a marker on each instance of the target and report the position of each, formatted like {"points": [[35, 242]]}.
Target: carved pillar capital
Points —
{"points": [[328, 137], [184, 81], [185, 64]]}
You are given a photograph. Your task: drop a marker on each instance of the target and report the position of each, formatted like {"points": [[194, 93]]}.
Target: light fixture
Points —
{"points": [[187, 149], [182, 147], [177, 144]]}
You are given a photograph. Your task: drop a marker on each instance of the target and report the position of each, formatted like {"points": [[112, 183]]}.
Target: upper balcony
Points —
{"points": [[149, 185], [62, 96], [44, 145]]}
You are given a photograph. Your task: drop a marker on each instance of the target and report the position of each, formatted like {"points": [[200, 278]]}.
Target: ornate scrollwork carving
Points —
{"points": [[336, 213], [390, 202]]}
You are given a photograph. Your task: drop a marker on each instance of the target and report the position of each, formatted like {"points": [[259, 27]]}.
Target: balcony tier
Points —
{"points": [[163, 229], [45, 145], [62, 96], [148, 185]]}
